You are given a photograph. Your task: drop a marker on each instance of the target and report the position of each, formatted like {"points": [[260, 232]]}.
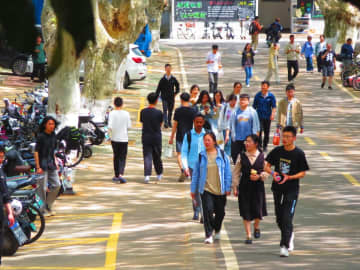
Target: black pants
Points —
{"points": [[264, 128], [292, 65], [213, 204], [152, 153], [2, 228], [319, 63], [213, 81], [39, 71], [237, 147], [120, 152], [285, 204], [168, 107]]}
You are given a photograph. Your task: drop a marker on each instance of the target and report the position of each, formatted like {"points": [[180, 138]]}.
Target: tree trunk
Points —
{"points": [[154, 16], [64, 91]]}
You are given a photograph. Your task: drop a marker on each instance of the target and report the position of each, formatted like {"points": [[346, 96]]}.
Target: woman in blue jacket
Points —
{"points": [[212, 179]]}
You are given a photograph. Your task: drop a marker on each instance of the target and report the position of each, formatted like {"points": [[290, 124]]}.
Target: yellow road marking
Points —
{"points": [[52, 268], [111, 248], [351, 179], [309, 141], [342, 88], [326, 156], [228, 251], [73, 239], [256, 78], [141, 106]]}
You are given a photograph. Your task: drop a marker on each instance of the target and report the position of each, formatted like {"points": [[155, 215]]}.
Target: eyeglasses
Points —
{"points": [[288, 136]]}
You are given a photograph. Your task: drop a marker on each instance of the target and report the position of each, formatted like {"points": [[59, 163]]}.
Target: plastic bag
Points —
{"points": [[168, 151], [220, 139], [221, 72]]}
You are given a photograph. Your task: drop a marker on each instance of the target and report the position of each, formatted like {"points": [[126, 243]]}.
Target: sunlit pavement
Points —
{"points": [[138, 226]]}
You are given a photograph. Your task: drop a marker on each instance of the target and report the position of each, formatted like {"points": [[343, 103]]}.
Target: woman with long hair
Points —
{"points": [[212, 179], [247, 62], [194, 93], [249, 169], [224, 119], [46, 164], [205, 107]]}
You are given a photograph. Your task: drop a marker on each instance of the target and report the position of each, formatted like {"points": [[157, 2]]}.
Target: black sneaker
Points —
{"points": [[322, 85], [330, 88], [166, 126], [257, 233], [248, 241], [201, 220], [196, 216]]}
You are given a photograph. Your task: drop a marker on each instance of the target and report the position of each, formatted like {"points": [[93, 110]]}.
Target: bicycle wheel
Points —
{"points": [[345, 74], [36, 228], [74, 156], [356, 82]]}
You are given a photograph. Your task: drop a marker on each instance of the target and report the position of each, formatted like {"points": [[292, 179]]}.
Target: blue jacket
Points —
{"points": [[308, 49], [144, 40], [199, 175], [189, 158], [347, 51], [264, 106]]}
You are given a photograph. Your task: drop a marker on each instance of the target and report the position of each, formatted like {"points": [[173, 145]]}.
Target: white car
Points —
{"points": [[133, 68]]}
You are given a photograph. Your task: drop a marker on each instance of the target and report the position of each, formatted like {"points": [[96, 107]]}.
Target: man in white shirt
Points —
{"points": [[119, 123], [213, 61]]}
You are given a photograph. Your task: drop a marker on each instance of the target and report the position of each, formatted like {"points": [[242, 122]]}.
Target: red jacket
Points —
{"points": [[258, 27]]}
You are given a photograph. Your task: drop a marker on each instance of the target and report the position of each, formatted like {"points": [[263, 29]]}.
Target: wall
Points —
{"points": [[269, 10]]}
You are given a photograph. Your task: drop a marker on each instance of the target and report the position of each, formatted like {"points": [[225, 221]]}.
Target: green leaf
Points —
{"points": [[17, 18], [77, 18]]}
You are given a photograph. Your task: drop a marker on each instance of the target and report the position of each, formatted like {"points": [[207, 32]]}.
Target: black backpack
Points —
{"points": [[252, 28], [188, 135]]}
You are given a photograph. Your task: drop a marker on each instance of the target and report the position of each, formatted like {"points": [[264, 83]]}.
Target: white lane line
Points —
{"points": [[183, 72], [226, 248]]}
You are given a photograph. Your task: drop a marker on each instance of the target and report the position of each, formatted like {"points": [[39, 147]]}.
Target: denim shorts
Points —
{"points": [[178, 146], [328, 71]]}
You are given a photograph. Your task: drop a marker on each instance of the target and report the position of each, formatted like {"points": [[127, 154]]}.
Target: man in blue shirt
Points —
{"points": [[190, 150], [243, 122], [265, 106], [308, 51], [347, 52]]}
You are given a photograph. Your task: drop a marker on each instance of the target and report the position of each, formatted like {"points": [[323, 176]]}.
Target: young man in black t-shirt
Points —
{"points": [[152, 119], [183, 122], [290, 166]]}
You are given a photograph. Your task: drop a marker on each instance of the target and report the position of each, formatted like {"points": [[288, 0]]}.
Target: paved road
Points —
{"points": [[138, 226]]}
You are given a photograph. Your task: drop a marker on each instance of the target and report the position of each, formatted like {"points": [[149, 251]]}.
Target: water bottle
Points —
{"points": [[276, 139]]}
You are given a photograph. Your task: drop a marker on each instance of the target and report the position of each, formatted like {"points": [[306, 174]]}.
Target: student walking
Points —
{"points": [[346, 53], [168, 88], [183, 122], [243, 122], [308, 51], [254, 31], [194, 94], [39, 60], [224, 120], [193, 144], [212, 179], [292, 51], [151, 119], [265, 106], [319, 48], [213, 61], [46, 164], [247, 62], [119, 123], [290, 166], [218, 102], [290, 112], [206, 107], [249, 169], [273, 66], [328, 66], [237, 90]]}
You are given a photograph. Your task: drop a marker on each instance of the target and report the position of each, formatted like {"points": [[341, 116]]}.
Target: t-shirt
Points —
{"points": [[151, 119], [45, 146], [329, 58], [184, 117], [119, 123], [40, 57], [214, 67], [290, 163], [213, 178]]}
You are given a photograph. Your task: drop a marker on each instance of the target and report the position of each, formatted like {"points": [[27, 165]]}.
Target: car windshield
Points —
{"points": [[137, 51]]}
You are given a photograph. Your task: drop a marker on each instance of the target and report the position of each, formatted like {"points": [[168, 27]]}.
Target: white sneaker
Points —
{"points": [[147, 179], [291, 244], [284, 252], [217, 236], [248, 85], [159, 177], [209, 240]]}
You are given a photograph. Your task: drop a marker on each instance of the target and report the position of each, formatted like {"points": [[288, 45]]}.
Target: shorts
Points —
{"points": [[328, 71], [178, 146]]}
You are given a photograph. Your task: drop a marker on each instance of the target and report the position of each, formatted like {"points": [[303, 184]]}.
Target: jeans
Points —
{"points": [[120, 152], [264, 128], [319, 63], [227, 146], [197, 202], [292, 65], [248, 73], [168, 107], [285, 204], [51, 180], [309, 64], [237, 147], [152, 153], [213, 204], [39, 71], [213, 81]]}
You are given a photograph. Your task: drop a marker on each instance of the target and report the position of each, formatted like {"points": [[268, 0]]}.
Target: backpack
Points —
{"points": [[72, 136], [252, 28]]}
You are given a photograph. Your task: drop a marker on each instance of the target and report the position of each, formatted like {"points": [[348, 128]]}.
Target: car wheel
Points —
{"points": [[126, 81], [19, 66]]}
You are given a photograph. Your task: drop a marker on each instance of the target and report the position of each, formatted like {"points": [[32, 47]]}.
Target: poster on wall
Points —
{"points": [[214, 10]]}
